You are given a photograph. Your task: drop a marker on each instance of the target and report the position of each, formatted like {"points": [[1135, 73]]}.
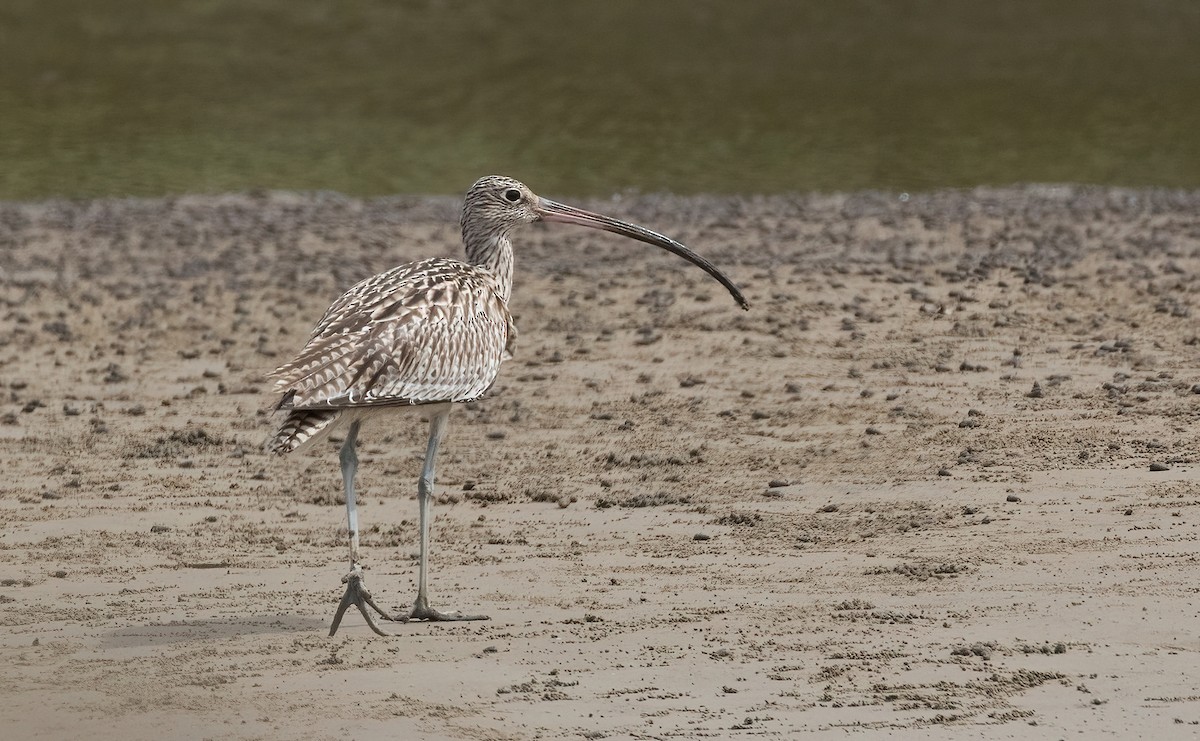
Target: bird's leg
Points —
{"points": [[349, 459], [421, 609], [356, 592]]}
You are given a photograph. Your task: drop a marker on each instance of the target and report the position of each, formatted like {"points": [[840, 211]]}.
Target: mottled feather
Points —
{"points": [[301, 427], [426, 332]]}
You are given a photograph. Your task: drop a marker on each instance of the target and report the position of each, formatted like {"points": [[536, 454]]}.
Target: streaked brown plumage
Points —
{"points": [[420, 338], [422, 333]]}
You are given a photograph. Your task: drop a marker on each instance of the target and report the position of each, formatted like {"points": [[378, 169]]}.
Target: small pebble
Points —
{"points": [[1159, 467], [701, 536], [1012, 498]]}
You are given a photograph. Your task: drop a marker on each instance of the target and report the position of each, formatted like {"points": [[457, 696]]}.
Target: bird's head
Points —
{"points": [[497, 204]]}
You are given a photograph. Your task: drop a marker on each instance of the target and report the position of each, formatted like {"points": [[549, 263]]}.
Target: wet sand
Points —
{"points": [[943, 476]]}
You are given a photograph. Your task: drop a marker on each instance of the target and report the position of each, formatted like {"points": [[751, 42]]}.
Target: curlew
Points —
{"points": [[418, 339]]}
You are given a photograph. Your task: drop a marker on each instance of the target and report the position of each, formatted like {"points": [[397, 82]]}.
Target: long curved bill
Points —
{"points": [[553, 211]]}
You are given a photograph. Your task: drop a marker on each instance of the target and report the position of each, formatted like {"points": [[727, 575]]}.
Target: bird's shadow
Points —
{"points": [[160, 634]]}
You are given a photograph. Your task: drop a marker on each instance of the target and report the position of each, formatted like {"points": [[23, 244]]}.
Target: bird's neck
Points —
{"points": [[494, 253]]}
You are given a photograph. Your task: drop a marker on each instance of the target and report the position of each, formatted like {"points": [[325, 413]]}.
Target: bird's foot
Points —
{"points": [[422, 611], [356, 594]]}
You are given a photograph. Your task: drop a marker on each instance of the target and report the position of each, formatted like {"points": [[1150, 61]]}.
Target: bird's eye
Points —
{"points": [[512, 195]]}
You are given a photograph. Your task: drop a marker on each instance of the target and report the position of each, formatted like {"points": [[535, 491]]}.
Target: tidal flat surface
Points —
{"points": [[942, 480]]}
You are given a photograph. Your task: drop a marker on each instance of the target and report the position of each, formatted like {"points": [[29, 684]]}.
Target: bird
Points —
{"points": [[417, 340]]}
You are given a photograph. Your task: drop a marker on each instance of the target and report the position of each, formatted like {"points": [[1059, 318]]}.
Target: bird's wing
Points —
{"points": [[428, 332]]}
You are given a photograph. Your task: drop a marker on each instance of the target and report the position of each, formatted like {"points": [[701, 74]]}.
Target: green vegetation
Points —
{"points": [[127, 97]]}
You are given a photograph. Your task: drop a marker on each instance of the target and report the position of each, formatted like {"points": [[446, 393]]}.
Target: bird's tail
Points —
{"points": [[301, 426]]}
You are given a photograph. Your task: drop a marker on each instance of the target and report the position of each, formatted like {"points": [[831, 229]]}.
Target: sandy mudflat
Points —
{"points": [[926, 463]]}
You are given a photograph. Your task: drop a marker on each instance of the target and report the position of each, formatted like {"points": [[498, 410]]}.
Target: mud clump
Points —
{"points": [[180, 442]]}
